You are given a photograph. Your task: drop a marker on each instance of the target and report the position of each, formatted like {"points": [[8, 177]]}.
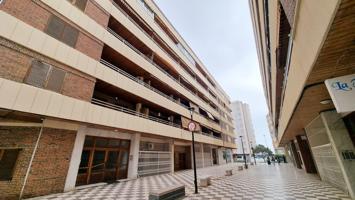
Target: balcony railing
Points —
{"points": [[130, 18], [153, 63], [132, 112], [113, 67]]}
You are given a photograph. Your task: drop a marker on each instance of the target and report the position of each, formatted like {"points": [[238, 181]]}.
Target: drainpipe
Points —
{"points": [[32, 157]]}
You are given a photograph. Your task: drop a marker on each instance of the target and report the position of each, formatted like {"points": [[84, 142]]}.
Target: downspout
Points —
{"points": [[32, 157]]}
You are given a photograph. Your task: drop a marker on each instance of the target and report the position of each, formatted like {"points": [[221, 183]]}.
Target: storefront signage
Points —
{"points": [[342, 92]]}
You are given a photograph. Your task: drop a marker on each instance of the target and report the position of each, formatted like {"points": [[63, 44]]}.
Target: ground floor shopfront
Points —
{"points": [[326, 148], [64, 156]]}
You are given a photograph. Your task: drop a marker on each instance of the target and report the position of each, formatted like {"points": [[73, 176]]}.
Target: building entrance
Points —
{"points": [[103, 160], [182, 157], [214, 156]]}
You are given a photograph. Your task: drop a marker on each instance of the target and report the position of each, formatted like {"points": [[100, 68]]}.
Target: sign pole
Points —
{"points": [[192, 127]]}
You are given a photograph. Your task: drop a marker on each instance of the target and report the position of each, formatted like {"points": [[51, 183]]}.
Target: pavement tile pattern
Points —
{"points": [[258, 182]]}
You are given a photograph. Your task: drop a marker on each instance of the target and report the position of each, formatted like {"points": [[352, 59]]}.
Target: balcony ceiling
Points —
{"points": [[336, 58]]}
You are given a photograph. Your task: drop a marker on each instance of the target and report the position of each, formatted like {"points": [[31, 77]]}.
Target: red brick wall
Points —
{"points": [[97, 13], [37, 15], [13, 65], [20, 137], [89, 46], [78, 87], [50, 164], [16, 61], [27, 11]]}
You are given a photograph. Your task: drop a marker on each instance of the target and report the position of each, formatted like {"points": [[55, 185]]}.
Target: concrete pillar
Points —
{"points": [[341, 142], [203, 157], [75, 161], [296, 159], [145, 111], [139, 107], [306, 154], [172, 150], [134, 156]]}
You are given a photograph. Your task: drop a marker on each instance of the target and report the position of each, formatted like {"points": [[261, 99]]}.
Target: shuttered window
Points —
{"points": [[62, 31], [45, 76], [55, 79], [81, 4], [38, 74], [8, 158]]}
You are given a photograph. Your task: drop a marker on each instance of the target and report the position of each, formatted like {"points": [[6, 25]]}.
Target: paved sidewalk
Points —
{"points": [[258, 182]]}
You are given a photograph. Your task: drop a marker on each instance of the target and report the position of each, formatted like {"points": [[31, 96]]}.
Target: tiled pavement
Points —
{"points": [[258, 182]]}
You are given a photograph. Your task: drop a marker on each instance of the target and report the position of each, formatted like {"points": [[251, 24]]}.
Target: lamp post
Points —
{"points": [[192, 127], [245, 160]]}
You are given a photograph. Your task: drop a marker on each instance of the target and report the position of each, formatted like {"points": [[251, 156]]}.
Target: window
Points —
{"points": [[62, 31], [8, 159], [81, 4], [43, 75]]}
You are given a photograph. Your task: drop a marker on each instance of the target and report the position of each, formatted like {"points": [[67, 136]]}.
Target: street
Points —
{"points": [[258, 182]]}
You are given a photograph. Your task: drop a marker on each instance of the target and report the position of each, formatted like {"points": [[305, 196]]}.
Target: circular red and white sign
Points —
{"points": [[192, 126]]}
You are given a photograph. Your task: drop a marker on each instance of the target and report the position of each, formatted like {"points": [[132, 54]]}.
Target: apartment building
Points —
{"points": [[243, 128], [96, 91], [306, 53]]}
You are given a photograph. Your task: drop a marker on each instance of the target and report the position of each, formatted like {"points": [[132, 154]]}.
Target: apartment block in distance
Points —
{"points": [[306, 53], [96, 91], [243, 128]]}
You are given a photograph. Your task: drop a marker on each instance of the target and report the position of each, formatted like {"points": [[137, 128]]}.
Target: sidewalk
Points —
{"points": [[258, 182]]}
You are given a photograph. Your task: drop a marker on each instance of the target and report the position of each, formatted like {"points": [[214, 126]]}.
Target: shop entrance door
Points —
{"points": [[103, 160], [214, 156]]}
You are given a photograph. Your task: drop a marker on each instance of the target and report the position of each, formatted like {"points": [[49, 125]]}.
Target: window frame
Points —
{"points": [[2, 153], [66, 26]]}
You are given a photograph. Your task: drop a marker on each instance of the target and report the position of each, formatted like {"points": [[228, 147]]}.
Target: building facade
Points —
{"points": [[243, 127], [95, 91], [306, 53]]}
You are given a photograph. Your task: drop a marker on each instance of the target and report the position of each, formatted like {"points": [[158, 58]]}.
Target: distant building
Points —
{"points": [[243, 127], [278, 150]]}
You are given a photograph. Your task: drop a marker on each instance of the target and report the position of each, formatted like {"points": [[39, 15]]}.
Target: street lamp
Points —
{"points": [[192, 127], [245, 160]]}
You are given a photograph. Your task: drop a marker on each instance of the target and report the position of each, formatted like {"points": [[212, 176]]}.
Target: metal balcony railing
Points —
{"points": [[122, 11], [153, 63], [113, 67], [132, 112]]}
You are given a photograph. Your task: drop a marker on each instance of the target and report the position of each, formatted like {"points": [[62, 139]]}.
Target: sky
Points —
{"points": [[220, 32]]}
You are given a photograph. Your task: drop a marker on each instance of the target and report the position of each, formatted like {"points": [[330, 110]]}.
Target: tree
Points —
{"points": [[262, 149]]}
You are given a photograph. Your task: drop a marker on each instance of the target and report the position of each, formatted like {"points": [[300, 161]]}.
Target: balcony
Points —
{"points": [[134, 18], [129, 39]]}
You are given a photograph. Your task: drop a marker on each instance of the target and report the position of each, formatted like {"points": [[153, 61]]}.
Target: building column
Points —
{"points": [[306, 154], [295, 156], [75, 161], [134, 156], [172, 147], [341, 142], [203, 157]]}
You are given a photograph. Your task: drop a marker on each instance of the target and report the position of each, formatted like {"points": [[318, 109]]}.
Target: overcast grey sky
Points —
{"points": [[220, 32]]}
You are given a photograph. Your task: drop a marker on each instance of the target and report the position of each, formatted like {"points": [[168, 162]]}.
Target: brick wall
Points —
{"points": [[97, 13], [27, 11], [50, 164], [20, 137], [78, 87], [37, 15], [16, 61], [13, 65], [89, 46]]}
